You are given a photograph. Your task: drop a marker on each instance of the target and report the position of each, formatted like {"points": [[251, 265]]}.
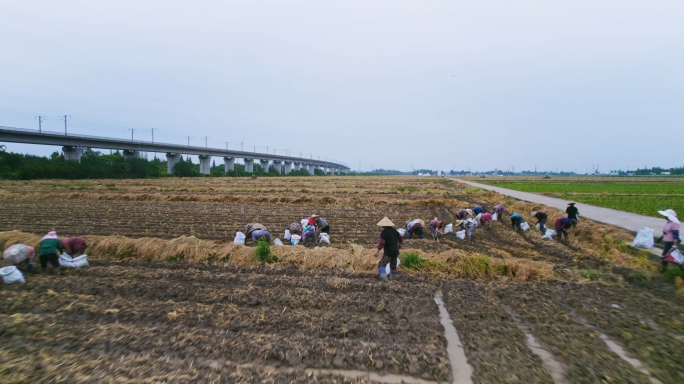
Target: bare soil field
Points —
{"points": [[168, 297]]}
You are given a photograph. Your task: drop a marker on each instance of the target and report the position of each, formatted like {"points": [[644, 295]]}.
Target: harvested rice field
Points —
{"points": [[168, 296]]}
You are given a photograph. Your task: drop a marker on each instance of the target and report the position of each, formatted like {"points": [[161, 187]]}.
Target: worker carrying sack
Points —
{"points": [[76, 262], [239, 238], [644, 239], [11, 275], [449, 228]]}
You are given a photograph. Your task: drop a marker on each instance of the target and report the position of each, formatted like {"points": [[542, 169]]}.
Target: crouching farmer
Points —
{"points": [[47, 252], [21, 256], [74, 246], [258, 231], [389, 243]]}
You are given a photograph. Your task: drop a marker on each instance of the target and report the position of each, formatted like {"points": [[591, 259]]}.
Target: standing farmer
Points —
{"points": [[670, 235], [541, 220], [47, 252], [573, 214], [389, 243]]}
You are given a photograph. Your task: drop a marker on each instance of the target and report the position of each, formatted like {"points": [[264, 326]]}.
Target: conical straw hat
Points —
{"points": [[385, 222]]}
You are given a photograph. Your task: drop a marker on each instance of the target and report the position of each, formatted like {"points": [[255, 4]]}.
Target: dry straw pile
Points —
{"points": [[355, 258]]}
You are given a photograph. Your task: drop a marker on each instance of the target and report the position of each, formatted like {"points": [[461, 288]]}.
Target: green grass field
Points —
{"points": [[645, 196]]}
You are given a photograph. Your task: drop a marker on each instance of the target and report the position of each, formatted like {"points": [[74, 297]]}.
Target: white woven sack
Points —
{"points": [[239, 238], [525, 226], [388, 265], [495, 217], [69, 262], [11, 275], [325, 238], [549, 234], [287, 235], [295, 239], [277, 242], [644, 238], [402, 232], [449, 228]]}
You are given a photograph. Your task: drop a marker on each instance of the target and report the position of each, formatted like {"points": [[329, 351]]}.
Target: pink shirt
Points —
{"points": [[486, 218], [667, 231]]}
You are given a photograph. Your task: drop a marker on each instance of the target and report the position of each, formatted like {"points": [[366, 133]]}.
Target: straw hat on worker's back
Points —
{"points": [[385, 222]]}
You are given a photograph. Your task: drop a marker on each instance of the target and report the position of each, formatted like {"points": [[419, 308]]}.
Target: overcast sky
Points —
{"points": [[388, 84]]}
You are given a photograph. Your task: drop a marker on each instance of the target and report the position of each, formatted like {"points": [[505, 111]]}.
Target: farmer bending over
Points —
{"points": [[516, 220], [484, 219], [47, 252], [499, 210], [74, 246], [389, 243], [415, 227], [258, 231], [463, 213], [20, 255], [435, 226], [478, 209], [541, 220], [563, 228]]}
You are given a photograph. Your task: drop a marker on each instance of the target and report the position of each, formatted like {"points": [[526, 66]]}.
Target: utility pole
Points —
{"points": [[40, 123], [206, 141], [132, 130], [65, 124], [267, 149], [188, 137], [227, 142], [153, 136], [254, 148], [242, 147]]}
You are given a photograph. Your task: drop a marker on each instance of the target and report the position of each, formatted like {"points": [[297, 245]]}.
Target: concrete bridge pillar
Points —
{"points": [[130, 154], [230, 163], [297, 166], [278, 165], [249, 165], [311, 168], [171, 160], [72, 153], [205, 164], [288, 167], [264, 165]]}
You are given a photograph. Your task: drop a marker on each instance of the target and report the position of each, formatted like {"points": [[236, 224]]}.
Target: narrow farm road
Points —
{"points": [[626, 220]]}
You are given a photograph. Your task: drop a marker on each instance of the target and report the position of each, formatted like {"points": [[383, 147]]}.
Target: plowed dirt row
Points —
{"points": [[194, 323]]}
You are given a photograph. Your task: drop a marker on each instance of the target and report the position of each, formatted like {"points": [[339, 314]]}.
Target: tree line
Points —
{"points": [[96, 165]]}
